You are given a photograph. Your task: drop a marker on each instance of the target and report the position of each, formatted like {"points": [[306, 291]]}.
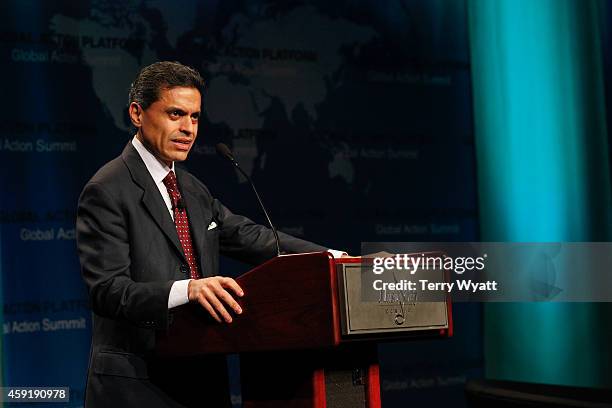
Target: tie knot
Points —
{"points": [[170, 181]]}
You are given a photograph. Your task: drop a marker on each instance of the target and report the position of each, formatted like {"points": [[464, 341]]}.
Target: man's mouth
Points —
{"points": [[182, 144]]}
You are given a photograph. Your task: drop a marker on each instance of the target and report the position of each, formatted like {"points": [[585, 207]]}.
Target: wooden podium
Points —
{"points": [[301, 336]]}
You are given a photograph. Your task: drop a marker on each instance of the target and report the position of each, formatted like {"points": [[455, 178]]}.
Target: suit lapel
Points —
{"points": [[151, 198]]}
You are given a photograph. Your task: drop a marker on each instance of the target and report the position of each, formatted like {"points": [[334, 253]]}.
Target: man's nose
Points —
{"points": [[188, 126]]}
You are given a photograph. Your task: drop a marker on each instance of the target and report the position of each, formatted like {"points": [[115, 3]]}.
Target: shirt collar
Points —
{"points": [[157, 168]]}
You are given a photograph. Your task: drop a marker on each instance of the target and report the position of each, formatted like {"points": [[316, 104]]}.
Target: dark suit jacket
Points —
{"points": [[130, 255]]}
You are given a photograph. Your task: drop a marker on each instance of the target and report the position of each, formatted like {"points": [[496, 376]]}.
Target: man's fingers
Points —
{"points": [[228, 299], [209, 308], [233, 285], [212, 295], [218, 306]]}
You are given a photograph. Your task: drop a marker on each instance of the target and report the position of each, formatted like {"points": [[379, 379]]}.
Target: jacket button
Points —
{"points": [[184, 269]]}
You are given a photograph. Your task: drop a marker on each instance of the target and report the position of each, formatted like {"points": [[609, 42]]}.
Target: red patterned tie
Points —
{"points": [[182, 223]]}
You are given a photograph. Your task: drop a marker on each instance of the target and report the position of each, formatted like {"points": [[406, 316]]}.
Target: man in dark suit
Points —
{"points": [[149, 236]]}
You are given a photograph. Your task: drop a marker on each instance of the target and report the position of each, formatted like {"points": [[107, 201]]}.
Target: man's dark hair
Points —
{"points": [[162, 75]]}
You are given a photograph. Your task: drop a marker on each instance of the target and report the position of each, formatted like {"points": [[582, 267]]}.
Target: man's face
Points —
{"points": [[169, 126]]}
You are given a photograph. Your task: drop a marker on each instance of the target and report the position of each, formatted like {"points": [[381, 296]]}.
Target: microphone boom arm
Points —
{"points": [[226, 152]]}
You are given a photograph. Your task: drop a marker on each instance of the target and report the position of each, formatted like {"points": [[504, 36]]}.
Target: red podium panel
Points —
{"points": [[293, 352]]}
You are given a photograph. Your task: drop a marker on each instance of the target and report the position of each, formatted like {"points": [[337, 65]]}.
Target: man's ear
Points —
{"points": [[135, 112]]}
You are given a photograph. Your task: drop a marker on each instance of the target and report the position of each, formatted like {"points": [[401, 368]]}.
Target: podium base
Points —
{"points": [[343, 377]]}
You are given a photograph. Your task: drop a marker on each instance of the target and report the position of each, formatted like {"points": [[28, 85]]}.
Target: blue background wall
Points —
{"points": [[543, 173], [353, 118]]}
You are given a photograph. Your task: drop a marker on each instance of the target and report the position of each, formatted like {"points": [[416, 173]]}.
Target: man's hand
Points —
{"points": [[212, 292]]}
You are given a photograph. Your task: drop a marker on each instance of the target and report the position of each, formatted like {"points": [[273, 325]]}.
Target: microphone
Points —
{"points": [[180, 205], [225, 151]]}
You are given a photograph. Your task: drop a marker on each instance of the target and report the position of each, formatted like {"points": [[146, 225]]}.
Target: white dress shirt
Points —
{"points": [[179, 294], [158, 170]]}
